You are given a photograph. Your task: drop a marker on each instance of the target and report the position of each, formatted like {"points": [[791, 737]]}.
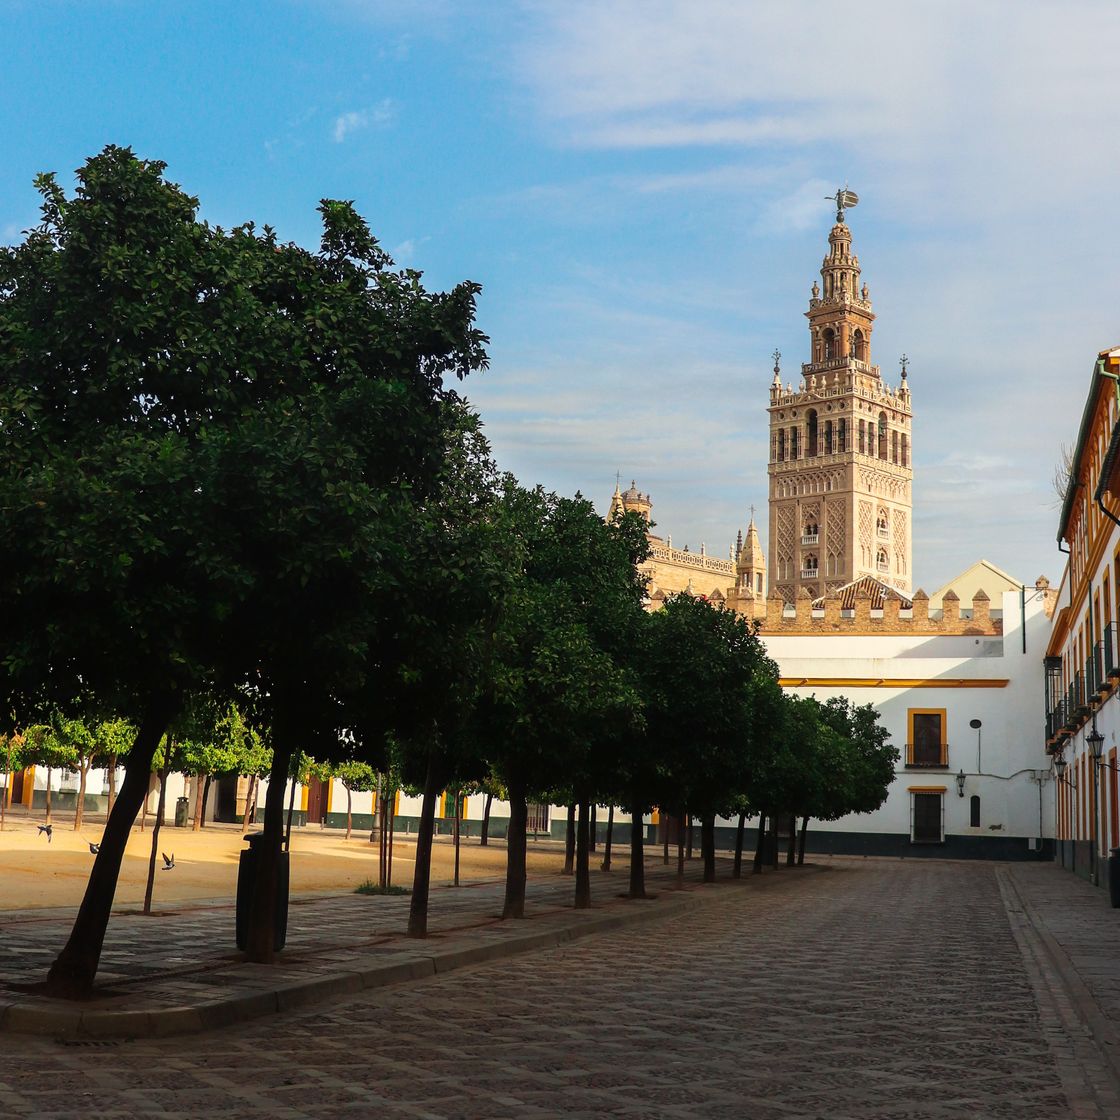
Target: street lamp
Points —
{"points": [[960, 783], [1060, 768], [975, 724], [1095, 741]]}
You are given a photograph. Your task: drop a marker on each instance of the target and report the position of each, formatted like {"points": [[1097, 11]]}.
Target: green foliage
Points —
{"points": [[370, 887], [711, 697]]}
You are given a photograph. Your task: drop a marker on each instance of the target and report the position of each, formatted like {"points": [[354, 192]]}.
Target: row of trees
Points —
{"points": [[235, 472]]}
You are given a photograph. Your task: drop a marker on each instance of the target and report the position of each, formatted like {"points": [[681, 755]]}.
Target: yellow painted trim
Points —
{"points": [[28, 786], [926, 789], [655, 817], [894, 682], [303, 798], [329, 783], [397, 804]]}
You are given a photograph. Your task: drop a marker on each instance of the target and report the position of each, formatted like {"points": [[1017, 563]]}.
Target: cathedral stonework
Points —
{"points": [[840, 448]]}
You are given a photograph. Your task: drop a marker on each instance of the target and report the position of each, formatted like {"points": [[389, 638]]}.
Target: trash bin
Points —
{"points": [[246, 883], [182, 812], [1114, 878]]}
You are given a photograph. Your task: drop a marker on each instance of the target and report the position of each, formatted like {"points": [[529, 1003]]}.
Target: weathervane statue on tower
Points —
{"points": [[844, 199]]}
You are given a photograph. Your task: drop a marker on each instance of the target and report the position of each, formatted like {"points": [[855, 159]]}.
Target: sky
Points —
{"points": [[639, 186]]}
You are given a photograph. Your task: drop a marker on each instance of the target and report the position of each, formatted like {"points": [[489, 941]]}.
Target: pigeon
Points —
{"points": [[93, 848], [168, 861], [47, 828]]}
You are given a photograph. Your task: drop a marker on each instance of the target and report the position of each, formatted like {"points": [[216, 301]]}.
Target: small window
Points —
{"points": [[974, 811]]}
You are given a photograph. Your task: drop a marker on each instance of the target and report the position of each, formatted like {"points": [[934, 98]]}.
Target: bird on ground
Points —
{"points": [[168, 861], [47, 828], [93, 848]]}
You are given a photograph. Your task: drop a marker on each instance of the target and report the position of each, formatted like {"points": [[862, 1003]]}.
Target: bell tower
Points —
{"points": [[840, 452]]}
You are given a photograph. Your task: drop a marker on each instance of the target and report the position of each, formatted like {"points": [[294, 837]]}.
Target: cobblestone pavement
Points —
{"points": [[877, 990]]}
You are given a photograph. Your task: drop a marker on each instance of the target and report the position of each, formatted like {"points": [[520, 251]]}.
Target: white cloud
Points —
{"points": [[379, 115]]}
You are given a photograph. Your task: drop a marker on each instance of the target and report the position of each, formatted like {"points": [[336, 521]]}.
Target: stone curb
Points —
{"points": [[301, 990], [1098, 1025]]}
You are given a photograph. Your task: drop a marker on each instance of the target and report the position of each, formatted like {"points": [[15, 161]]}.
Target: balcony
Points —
{"points": [[810, 573], [926, 756], [810, 538], [883, 531]]}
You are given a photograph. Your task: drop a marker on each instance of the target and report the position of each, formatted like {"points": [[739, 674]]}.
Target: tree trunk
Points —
{"points": [[791, 851], [261, 931], [376, 811], [390, 809], [148, 887], [48, 795], [250, 803], [689, 819], [801, 841], [458, 823], [606, 864], [199, 781], [583, 857], [383, 845], [484, 837], [514, 905], [664, 819], [421, 880], [112, 776], [79, 808], [593, 839], [774, 854], [7, 785], [637, 854], [291, 776], [349, 808], [570, 841], [708, 846], [759, 845], [737, 873], [205, 800], [73, 972], [680, 852]]}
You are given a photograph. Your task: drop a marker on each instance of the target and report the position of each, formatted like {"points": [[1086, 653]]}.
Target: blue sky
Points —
{"points": [[639, 188]]}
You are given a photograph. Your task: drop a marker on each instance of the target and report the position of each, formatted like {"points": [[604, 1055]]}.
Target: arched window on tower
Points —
{"points": [[882, 452], [811, 425], [881, 561], [809, 566], [781, 445], [829, 337], [828, 437], [894, 447], [905, 450], [793, 442], [859, 346], [862, 438], [842, 435]]}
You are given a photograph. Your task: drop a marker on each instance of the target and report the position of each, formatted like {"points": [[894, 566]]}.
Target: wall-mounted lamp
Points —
{"points": [[1060, 767], [1096, 744], [960, 783]]}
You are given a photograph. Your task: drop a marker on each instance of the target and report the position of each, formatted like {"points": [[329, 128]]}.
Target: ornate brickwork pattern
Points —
{"points": [[866, 533], [785, 544], [836, 534], [899, 520]]}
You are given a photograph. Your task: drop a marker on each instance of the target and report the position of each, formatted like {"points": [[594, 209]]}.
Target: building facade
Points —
{"points": [[1082, 666]]}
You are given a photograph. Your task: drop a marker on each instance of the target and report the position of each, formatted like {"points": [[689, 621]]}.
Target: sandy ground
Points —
{"points": [[36, 873]]}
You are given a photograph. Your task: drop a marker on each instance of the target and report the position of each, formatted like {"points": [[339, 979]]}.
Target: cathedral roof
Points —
{"points": [[866, 587]]}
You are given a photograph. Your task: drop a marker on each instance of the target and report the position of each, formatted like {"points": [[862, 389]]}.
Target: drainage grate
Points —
{"points": [[100, 1043]]}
